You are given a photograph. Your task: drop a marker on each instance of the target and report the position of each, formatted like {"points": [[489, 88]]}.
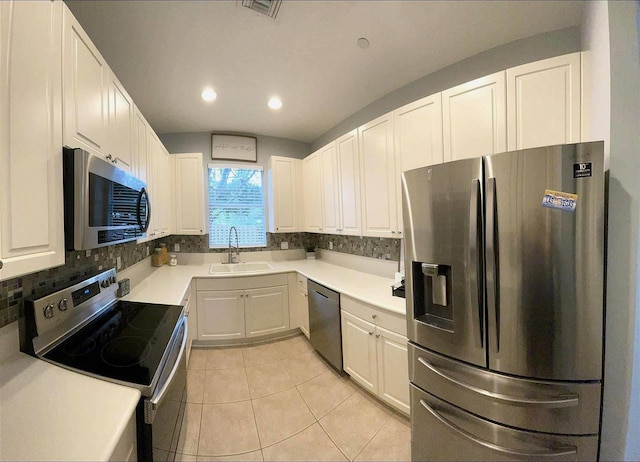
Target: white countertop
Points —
{"points": [[168, 284], [50, 413]]}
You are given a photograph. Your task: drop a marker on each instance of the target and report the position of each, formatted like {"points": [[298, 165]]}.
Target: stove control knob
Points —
{"points": [[105, 283], [48, 311], [113, 279], [62, 305]]}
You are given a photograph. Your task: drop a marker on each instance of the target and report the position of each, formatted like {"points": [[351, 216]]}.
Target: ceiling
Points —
{"points": [[166, 52]]}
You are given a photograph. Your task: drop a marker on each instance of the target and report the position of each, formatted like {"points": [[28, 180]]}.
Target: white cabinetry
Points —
{"points": [[417, 134], [298, 303], [121, 125], [141, 131], [86, 89], [330, 191], [31, 218], [160, 185], [349, 184], [236, 308], [312, 183], [374, 349], [189, 193], [284, 194], [189, 304], [474, 120], [378, 177], [543, 102]]}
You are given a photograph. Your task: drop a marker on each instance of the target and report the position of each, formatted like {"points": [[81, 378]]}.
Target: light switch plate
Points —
{"points": [[284, 245]]}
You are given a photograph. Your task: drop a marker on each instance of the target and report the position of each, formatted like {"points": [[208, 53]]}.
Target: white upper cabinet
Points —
{"points": [[86, 90], [140, 146], [31, 213], [543, 102], [121, 125], [284, 194], [349, 184], [330, 190], [312, 184], [474, 119], [189, 193], [378, 177], [417, 134]]}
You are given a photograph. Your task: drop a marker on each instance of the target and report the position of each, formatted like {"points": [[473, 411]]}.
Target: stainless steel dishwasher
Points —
{"points": [[325, 330]]}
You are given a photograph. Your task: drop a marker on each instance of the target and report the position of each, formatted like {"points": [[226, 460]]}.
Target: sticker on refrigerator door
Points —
{"points": [[582, 170], [560, 200]]}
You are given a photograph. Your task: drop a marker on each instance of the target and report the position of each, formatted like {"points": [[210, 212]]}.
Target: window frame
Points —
{"points": [[235, 165]]}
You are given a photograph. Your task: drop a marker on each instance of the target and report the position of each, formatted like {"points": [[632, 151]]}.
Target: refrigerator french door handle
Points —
{"points": [[475, 272], [493, 270], [568, 400], [565, 451]]}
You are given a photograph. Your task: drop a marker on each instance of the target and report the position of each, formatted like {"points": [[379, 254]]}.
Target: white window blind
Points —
{"points": [[236, 198]]}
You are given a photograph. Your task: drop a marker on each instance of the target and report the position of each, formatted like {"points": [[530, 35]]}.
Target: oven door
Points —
{"points": [[160, 416]]}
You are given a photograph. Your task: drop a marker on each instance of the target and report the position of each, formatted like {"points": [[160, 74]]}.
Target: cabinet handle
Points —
{"points": [[109, 157], [377, 335], [374, 316], [1, 264], [370, 333], [393, 232]]}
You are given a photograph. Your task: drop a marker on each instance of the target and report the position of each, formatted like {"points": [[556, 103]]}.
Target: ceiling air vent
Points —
{"points": [[267, 7]]}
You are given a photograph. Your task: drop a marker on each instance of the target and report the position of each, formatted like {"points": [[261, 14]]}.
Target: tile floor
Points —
{"points": [[280, 401]]}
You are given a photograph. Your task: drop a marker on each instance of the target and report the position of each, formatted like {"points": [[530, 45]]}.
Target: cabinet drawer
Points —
{"points": [[240, 283], [394, 322]]}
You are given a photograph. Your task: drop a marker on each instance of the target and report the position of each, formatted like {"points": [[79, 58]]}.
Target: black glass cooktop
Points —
{"points": [[125, 343]]}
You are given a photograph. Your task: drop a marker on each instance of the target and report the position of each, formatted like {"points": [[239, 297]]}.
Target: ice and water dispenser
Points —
{"points": [[432, 295]]}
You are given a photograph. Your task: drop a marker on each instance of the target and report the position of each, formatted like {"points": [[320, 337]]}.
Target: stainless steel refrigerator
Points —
{"points": [[504, 270]]}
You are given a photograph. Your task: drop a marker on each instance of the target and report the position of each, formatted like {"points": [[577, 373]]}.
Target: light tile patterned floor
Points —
{"points": [[281, 401]]}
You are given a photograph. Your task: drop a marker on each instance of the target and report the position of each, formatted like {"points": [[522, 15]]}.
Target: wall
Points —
{"points": [[621, 405], [512, 54]]}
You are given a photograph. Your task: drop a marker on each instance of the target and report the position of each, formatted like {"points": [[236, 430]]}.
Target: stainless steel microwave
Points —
{"points": [[103, 204]]}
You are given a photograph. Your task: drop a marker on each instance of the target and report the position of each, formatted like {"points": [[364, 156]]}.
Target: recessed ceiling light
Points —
{"points": [[208, 95], [363, 43], [275, 103]]}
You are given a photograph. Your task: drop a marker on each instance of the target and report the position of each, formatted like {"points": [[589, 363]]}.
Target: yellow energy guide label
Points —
{"points": [[560, 200]]}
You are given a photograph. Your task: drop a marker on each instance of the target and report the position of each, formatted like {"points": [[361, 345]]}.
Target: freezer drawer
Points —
{"points": [[440, 431], [553, 407]]}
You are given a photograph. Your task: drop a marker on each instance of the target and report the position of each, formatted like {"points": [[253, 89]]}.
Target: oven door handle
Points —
{"points": [[162, 390]]}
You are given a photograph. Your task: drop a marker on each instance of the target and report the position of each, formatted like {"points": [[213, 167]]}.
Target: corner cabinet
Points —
{"points": [[374, 349], [543, 103], [86, 89], [298, 303], [189, 193], [31, 213], [474, 120], [350, 200], [312, 183], [242, 307], [284, 194], [121, 125]]}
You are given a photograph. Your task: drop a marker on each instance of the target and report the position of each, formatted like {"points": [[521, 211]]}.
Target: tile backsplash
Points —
{"points": [[81, 263]]}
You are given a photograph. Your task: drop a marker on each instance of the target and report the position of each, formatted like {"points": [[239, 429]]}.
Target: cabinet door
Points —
{"points": [[153, 179], [220, 315], [312, 183], [86, 77], [349, 184], [168, 205], [393, 369], [121, 118], [543, 103], [474, 119], [330, 189], [378, 175], [359, 351], [31, 214], [189, 193], [284, 195], [266, 310], [417, 135], [141, 146]]}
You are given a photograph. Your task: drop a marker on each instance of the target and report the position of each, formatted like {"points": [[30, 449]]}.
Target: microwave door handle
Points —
{"points": [[143, 226], [475, 273]]}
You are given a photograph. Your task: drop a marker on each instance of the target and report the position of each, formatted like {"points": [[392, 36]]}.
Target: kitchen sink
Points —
{"points": [[245, 267]]}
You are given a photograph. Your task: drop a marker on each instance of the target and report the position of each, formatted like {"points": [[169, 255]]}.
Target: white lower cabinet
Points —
{"points": [[126, 448], [375, 356], [298, 303], [250, 307]]}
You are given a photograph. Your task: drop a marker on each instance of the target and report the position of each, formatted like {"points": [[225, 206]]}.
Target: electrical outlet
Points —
{"points": [[284, 245], [147, 251], [330, 245], [176, 247], [118, 262], [87, 253]]}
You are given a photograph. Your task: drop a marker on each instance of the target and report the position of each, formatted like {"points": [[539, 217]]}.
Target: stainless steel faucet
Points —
{"points": [[231, 257]]}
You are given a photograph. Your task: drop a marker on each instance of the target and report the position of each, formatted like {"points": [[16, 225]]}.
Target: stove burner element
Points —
{"points": [[125, 351], [147, 319], [81, 348]]}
